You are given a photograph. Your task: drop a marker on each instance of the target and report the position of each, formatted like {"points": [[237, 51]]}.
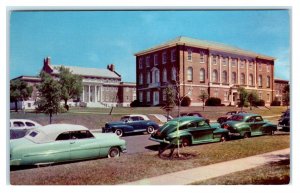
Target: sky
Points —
{"points": [[98, 38]]}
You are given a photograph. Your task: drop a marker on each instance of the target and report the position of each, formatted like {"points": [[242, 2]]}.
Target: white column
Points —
{"points": [[247, 75], [101, 93], [83, 93], [89, 100], [238, 71], [220, 68], [229, 70], [95, 91]]}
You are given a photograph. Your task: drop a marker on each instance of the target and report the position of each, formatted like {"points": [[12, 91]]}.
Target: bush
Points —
{"points": [[186, 101], [259, 103], [212, 101], [275, 103], [135, 103]]}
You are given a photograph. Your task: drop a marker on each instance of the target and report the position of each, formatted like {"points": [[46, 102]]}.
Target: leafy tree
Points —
{"points": [[71, 85], [252, 98], [19, 91], [50, 95], [170, 103], [203, 96], [243, 97]]}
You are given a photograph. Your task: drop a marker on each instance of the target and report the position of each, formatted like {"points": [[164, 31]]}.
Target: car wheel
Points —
{"points": [[185, 142], [119, 132], [223, 138], [113, 152], [247, 135], [150, 130]]}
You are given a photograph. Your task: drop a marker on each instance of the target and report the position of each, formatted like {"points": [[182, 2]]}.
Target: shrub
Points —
{"points": [[275, 103], [212, 101], [260, 103], [186, 101], [135, 103]]}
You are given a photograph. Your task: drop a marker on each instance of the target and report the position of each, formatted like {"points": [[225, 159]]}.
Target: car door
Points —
{"points": [[137, 123], [61, 147], [259, 122], [201, 131], [83, 145]]}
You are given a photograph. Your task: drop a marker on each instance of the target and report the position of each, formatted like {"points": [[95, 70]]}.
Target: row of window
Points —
{"points": [[156, 76], [155, 59]]}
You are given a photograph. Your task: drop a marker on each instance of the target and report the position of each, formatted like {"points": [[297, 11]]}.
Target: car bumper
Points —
{"points": [[159, 140], [234, 134], [15, 162]]}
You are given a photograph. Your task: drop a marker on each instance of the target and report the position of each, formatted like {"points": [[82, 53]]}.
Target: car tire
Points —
{"points": [[223, 138], [113, 152], [185, 142], [150, 129], [247, 135], [119, 132]]}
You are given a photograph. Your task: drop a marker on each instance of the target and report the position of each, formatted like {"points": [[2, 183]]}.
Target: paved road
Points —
{"points": [[139, 143]]}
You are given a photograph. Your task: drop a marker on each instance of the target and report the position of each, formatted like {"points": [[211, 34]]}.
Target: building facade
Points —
{"points": [[101, 87], [196, 66], [280, 90]]}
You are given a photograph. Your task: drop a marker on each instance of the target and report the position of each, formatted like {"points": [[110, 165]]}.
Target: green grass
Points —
{"points": [[269, 174], [129, 168]]}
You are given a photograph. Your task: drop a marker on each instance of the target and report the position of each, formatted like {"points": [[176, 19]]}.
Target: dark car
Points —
{"points": [[131, 124], [284, 121], [191, 130], [248, 124], [227, 116]]}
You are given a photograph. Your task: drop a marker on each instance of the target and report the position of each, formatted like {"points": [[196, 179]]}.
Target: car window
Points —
{"points": [[202, 123], [63, 136], [192, 125], [251, 119], [18, 124], [29, 124], [81, 134], [135, 118], [33, 134], [258, 119], [236, 118], [125, 118]]}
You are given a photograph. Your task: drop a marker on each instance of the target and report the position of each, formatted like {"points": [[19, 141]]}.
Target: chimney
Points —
{"points": [[111, 67], [47, 61]]}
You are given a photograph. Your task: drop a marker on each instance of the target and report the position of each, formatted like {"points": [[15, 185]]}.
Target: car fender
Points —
{"points": [[270, 125], [125, 128], [153, 124]]}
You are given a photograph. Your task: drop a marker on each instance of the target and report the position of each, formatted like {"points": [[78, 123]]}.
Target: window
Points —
{"points": [[224, 61], [224, 77], [258, 119], [156, 76], [141, 79], [215, 76], [148, 61], [155, 60], [164, 57], [243, 82], [81, 134], [189, 55], [216, 93], [233, 78], [268, 68], [268, 97], [226, 96], [173, 55], [250, 65], [242, 64], [140, 63], [28, 105], [201, 57], [214, 60], [63, 136], [202, 75], [164, 75], [33, 134], [260, 80], [148, 78], [259, 67], [18, 124], [164, 95], [141, 96], [174, 74], [250, 81], [260, 95], [148, 96], [268, 81], [29, 124], [190, 74], [233, 62]]}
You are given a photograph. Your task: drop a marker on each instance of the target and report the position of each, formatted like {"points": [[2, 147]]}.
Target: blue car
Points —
{"points": [[131, 124]]}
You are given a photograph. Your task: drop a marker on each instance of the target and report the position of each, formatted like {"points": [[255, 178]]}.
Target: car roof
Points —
{"points": [[49, 133], [246, 114], [138, 115], [188, 118], [28, 120]]}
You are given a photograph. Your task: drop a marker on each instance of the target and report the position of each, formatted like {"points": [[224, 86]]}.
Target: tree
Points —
{"points": [[170, 103], [71, 85], [19, 91], [203, 96], [252, 98], [243, 97], [50, 95]]}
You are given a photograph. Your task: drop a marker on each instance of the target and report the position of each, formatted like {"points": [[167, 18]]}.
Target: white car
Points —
{"points": [[23, 124]]}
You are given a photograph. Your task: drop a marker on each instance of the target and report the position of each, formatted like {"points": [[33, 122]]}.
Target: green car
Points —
{"points": [[62, 143], [248, 124], [191, 130]]}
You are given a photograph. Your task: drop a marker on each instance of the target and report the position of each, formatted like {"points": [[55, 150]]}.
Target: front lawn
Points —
{"points": [[134, 167]]}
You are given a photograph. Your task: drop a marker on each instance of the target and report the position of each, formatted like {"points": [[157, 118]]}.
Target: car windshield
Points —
{"points": [[125, 118], [168, 125], [236, 118]]}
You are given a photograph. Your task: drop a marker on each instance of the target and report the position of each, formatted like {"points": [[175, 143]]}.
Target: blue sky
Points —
{"points": [[97, 38]]}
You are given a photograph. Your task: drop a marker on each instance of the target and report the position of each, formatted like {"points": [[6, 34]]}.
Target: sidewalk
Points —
{"points": [[214, 170]]}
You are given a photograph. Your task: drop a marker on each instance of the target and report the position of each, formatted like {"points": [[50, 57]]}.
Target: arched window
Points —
{"points": [[164, 75], [156, 78], [148, 78], [243, 79], [215, 76], [268, 81], [141, 79], [224, 77], [233, 78], [250, 81], [174, 74], [202, 75], [260, 80], [190, 74]]}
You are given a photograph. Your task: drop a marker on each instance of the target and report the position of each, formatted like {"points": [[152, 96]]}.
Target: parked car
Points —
{"points": [[131, 124], [18, 133], [192, 130], [227, 116], [248, 124], [23, 124], [195, 114], [61, 143], [284, 121]]}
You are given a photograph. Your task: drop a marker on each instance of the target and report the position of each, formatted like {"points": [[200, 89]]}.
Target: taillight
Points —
{"points": [[226, 126]]}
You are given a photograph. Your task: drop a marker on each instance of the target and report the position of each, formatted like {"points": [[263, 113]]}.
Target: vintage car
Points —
{"points": [[195, 114], [227, 116], [284, 121], [63, 143], [191, 130], [131, 124], [248, 124], [23, 124]]}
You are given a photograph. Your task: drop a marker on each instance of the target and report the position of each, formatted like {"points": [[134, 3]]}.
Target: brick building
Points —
{"points": [[279, 86], [101, 87], [199, 65]]}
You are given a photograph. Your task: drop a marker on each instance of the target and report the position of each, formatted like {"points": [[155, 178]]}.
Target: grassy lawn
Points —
{"points": [[269, 174], [95, 118], [129, 168]]}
